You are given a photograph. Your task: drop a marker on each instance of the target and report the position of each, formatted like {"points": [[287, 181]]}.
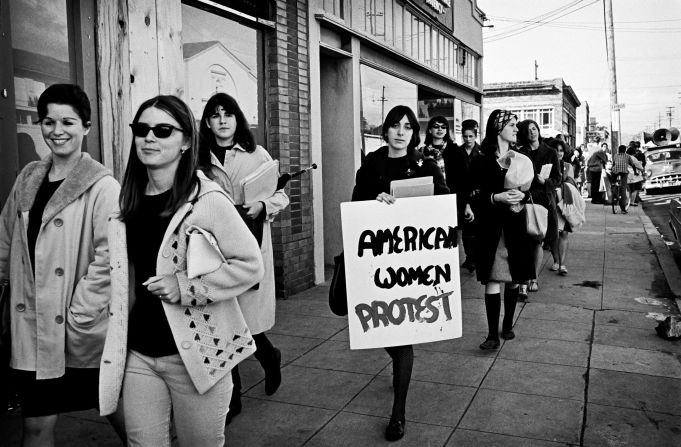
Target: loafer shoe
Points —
{"points": [[489, 344], [508, 335], [395, 430]]}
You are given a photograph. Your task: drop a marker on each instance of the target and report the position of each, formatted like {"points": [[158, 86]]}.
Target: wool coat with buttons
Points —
{"points": [[59, 315], [208, 335]]}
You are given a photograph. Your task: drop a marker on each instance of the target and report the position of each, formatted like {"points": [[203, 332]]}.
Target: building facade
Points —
{"points": [[551, 103], [314, 78], [367, 56]]}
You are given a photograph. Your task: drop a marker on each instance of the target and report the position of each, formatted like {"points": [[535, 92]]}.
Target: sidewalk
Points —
{"points": [[586, 367]]}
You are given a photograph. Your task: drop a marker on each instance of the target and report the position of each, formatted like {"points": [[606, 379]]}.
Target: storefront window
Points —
{"points": [[399, 25], [221, 55], [333, 7], [41, 33], [380, 93]]}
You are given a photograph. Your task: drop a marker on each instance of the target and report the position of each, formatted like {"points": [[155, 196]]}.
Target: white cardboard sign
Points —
{"points": [[402, 271]]}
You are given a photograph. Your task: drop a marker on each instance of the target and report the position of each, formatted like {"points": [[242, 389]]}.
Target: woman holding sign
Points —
{"points": [[504, 249], [398, 160], [228, 154]]}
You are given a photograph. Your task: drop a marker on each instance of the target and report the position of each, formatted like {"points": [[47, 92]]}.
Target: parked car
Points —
{"points": [[675, 218]]}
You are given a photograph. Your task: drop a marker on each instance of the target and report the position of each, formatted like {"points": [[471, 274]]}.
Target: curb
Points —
{"points": [[665, 258]]}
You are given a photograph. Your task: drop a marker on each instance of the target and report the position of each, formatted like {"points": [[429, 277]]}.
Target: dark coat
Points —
{"points": [[458, 171], [493, 218], [546, 194], [372, 178]]}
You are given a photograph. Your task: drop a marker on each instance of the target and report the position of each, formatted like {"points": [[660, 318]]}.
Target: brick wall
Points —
{"points": [[288, 115]]}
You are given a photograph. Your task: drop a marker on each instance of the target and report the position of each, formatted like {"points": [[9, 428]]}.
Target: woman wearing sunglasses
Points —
{"points": [[173, 338], [54, 251], [227, 154]]}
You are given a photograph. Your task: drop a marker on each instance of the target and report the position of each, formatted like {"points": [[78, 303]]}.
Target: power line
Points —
{"points": [[546, 15], [534, 26]]}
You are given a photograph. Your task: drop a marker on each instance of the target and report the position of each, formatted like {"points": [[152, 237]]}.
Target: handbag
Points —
{"points": [[338, 296], [203, 253], [536, 220]]}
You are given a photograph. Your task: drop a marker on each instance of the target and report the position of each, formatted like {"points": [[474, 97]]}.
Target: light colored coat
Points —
{"points": [[59, 317], [258, 305], [202, 323]]}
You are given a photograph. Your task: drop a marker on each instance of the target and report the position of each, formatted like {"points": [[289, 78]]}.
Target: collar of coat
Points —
{"points": [[413, 156], [85, 174]]}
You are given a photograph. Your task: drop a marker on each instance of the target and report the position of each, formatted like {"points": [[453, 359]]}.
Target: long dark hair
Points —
{"points": [[186, 180], [242, 136], [439, 120], [524, 132], [394, 116]]}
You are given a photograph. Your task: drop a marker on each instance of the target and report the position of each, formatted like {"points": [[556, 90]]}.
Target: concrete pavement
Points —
{"points": [[586, 367]]}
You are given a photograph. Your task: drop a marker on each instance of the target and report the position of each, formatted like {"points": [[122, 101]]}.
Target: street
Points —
{"points": [[656, 207]]}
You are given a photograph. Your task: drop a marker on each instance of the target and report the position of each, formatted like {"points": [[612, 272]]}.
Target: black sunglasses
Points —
{"points": [[141, 130]]}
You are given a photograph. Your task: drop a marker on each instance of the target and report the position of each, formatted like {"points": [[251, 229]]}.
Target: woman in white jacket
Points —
{"points": [[54, 251], [227, 154]]}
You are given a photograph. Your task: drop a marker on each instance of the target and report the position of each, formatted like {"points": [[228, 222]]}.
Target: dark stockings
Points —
{"points": [[264, 353], [492, 309], [403, 361], [510, 301]]}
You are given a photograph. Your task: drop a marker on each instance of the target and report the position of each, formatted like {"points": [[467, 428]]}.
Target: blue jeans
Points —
{"points": [[152, 387]]}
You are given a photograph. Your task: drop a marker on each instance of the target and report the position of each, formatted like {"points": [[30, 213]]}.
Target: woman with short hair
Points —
{"points": [[398, 160], [55, 252]]}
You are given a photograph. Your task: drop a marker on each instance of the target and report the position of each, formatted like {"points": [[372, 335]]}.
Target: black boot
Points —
{"points": [[492, 309], [510, 301], [270, 360], [235, 402]]}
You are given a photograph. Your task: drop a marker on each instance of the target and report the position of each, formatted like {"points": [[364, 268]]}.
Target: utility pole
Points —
{"points": [[382, 101], [536, 78], [670, 110], [610, 49]]}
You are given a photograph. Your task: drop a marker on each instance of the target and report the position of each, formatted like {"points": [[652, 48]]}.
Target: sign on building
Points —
{"points": [[402, 271]]}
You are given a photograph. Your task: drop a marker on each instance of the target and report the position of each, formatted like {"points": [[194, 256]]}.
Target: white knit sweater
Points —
{"points": [[207, 324]]}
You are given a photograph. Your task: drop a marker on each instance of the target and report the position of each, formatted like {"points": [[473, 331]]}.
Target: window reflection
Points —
{"points": [[380, 93], [221, 55], [429, 108], [42, 56]]}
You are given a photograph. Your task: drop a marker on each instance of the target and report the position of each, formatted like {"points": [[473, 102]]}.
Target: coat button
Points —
{"points": [[59, 319], [59, 271], [58, 222], [21, 307], [186, 344]]}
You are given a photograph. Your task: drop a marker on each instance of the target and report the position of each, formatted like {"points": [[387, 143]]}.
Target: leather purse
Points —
{"points": [[338, 296], [203, 253], [536, 220]]}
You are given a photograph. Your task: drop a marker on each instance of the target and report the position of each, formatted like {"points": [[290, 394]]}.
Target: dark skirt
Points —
{"points": [[76, 390], [519, 248]]}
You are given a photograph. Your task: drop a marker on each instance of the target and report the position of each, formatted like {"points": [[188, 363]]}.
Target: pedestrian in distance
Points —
{"points": [[174, 334], [634, 177], [458, 161], [55, 253], [504, 248], [595, 167], [398, 160], [560, 246], [621, 163], [543, 187], [227, 154]]}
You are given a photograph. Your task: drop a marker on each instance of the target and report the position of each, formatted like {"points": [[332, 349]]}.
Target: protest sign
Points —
{"points": [[402, 271]]}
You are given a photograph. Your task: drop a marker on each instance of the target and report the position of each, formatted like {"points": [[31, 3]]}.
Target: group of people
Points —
{"points": [[113, 302], [491, 217], [626, 168], [115, 305]]}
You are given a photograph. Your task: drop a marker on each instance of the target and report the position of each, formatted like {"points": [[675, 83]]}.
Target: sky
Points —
{"points": [[570, 44]]}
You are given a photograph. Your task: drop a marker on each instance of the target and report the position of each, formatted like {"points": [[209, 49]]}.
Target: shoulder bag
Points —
{"points": [[536, 220], [338, 297]]}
